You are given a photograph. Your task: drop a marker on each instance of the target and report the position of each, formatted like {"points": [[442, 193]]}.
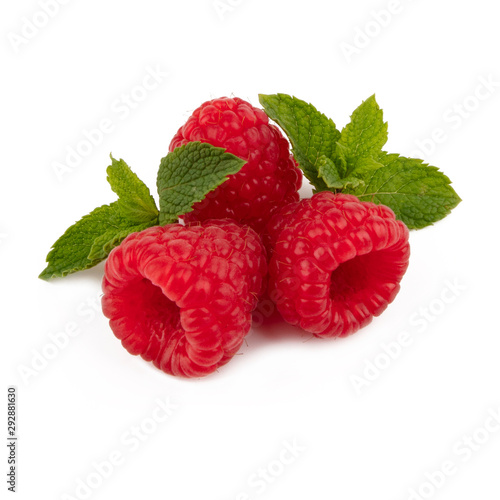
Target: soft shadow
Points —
{"points": [[276, 332]]}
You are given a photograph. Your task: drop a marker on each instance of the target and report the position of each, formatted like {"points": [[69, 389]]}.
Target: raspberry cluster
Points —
{"points": [[182, 296]]}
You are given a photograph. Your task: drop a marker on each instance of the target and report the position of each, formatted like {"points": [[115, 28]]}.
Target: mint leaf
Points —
{"points": [[341, 157], [365, 166], [103, 244], [365, 135], [311, 133], [189, 173], [329, 172], [136, 202], [89, 241], [352, 161], [351, 182], [419, 194], [70, 253]]}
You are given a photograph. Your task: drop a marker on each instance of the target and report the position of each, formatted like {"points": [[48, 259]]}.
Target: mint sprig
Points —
{"points": [[364, 136], [186, 176], [311, 133], [135, 201], [352, 161], [89, 241]]}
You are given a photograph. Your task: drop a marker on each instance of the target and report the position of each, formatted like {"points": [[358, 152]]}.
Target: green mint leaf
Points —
{"points": [[365, 135], [366, 166], [76, 249], [136, 202], [351, 182], [419, 194], [341, 156], [188, 174], [311, 133], [89, 241], [329, 172], [103, 244]]}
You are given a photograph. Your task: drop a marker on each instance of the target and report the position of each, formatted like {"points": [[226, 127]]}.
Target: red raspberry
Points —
{"points": [[336, 262], [182, 296], [267, 181]]}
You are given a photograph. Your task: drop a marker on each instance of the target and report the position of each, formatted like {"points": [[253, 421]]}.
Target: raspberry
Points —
{"points": [[269, 179], [182, 296], [336, 262]]}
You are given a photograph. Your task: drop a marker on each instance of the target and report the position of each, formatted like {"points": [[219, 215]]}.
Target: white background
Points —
{"points": [[378, 442]]}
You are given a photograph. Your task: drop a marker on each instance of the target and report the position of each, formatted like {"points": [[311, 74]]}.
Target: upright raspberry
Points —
{"points": [[336, 262], [270, 177], [182, 297]]}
